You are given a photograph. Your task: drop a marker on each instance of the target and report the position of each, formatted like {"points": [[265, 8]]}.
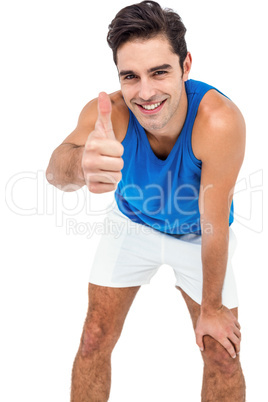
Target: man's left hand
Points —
{"points": [[221, 325]]}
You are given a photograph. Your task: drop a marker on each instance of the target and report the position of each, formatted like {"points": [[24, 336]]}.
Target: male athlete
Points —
{"points": [[171, 148]]}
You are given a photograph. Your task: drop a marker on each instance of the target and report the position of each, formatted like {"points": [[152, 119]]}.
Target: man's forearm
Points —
{"points": [[215, 319], [214, 260], [65, 167]]}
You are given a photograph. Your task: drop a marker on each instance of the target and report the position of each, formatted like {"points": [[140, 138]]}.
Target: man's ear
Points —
{"points": [[187, 64]]}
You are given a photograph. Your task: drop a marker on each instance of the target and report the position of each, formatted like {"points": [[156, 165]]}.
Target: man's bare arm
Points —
{"points": [[222, 152], [65, 166], [77, 160], [65, 169]]}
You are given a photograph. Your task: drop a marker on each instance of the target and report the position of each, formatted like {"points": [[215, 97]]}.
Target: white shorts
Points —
{"points": [[129, 254]]}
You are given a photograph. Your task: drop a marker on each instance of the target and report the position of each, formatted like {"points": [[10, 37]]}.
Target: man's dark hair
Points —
{"points": [[145, 20]]}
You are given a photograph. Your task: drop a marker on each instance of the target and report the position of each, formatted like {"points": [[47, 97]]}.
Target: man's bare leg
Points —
{"points": [[223, 379], [107, 310]]}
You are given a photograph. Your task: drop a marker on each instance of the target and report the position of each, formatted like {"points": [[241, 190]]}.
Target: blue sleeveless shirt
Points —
{"points": [[163, 194]]}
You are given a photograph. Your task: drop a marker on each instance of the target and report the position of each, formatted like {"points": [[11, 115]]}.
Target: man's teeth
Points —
{"points": [[151, 107]]}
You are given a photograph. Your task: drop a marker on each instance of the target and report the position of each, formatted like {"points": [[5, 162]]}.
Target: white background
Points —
{"points": [[54, 60]]}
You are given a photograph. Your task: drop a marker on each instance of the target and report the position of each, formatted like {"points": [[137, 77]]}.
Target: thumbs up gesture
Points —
{"points": [[102, 158]]}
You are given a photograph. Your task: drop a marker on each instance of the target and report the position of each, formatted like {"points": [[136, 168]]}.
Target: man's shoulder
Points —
{"points": [[215, 108], [117, 99], [217, 117], [120, 114]]}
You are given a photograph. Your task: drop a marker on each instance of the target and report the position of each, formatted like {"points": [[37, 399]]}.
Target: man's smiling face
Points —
{"points": [[152, 82]]}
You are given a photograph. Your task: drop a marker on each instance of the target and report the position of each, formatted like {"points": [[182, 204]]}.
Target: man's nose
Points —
{"points": [[146, 90]]}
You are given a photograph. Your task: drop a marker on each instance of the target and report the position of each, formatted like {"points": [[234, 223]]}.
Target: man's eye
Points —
{"points": [[130, 77], [160, 72]]}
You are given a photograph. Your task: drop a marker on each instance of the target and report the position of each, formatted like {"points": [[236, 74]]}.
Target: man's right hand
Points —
{"points": [[102, 158]]}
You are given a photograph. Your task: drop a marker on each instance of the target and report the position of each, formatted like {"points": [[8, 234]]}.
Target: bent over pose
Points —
{"points": [[171, 148]]}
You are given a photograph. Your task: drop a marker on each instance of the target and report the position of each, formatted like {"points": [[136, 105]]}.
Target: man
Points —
{"points": [[172, 149]]}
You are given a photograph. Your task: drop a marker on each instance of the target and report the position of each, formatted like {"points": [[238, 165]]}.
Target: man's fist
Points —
{"points": [[102, 158]]}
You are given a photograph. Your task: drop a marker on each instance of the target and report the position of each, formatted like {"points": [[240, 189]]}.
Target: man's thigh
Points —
{"points": [[194, 308], [108, 307]]}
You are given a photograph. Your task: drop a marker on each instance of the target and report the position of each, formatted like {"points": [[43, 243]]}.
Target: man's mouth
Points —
{"points": [[154, 107], [151, 107]]}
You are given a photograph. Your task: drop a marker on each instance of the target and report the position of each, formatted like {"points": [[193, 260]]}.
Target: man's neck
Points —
{"points": [[162, 141]]}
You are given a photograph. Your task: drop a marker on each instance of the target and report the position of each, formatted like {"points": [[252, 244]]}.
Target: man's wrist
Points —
{"points": [[211, 306]]}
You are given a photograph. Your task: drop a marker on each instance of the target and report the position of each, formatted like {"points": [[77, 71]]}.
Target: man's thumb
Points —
{"points": [[105, 112]]}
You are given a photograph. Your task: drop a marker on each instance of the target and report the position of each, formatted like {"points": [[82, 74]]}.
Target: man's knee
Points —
{"points": [[217, 359], [95, 338]]}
